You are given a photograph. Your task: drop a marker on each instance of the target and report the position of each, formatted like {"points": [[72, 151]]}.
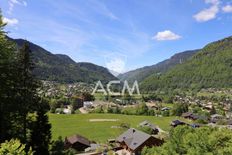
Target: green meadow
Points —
{"points": [[100, 127]]}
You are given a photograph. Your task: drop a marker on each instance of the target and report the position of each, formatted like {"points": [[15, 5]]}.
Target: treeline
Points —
{"points": [[23, 117], [194, 141]]}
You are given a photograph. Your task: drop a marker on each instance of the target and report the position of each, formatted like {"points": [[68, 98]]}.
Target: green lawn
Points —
{"points": [[66, 125]]}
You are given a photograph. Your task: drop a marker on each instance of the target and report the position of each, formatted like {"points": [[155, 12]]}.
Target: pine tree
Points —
{"points": [[7, 83], [31, 102], [28, 98], [41, 131]]}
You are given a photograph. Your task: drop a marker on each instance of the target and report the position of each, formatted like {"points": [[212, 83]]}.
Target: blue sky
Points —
{"points": [[118, 34]]}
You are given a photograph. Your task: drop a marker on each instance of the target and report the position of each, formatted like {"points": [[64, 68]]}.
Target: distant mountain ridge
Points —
{"points": [[61, 68], [211, 67], [142, 73]]}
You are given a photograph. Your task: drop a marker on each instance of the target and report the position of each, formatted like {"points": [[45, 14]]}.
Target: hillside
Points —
{"points": [[61, 68], [142, 73], [209, 68]]}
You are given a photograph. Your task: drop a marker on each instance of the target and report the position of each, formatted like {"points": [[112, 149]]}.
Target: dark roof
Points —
{"points": [[133, 138], [177, 122], [77, 138], [194, 125]]}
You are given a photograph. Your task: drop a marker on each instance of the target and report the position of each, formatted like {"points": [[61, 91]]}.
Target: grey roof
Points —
{"points": [[133, 138], [148, 124], [216, 115], [92, 147], [144, 123]]}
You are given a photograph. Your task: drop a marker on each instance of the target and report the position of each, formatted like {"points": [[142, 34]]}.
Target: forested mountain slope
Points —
{"points": [[61, 68], [142, 73], [209, 68]]}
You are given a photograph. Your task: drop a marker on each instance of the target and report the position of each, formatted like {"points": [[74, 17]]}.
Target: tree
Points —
{"points": [[88, 97], [186, 140], [28, 99], [8, 75], [57, 147], [41, 134], [19, 97], [14, 147], [142, 109], [179, 108]]}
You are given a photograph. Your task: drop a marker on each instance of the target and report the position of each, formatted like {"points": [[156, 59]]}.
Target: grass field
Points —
{"points": [[99, 131]]}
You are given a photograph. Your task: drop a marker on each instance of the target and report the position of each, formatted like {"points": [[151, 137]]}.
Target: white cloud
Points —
{"points": [[117, 65], [10, 22], [227, 9], [214, 2], [12, 4], [166, 35], [207, 14], [101, 8]]}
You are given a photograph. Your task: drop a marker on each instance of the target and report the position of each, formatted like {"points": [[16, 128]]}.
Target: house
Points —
{"points": [[155, 129], [77, 142], [79, 102], [67, 110], [165, 109], [195, 125], [208, 106], [190, 115], [134, 141], [175, 123], [229, 122], [92, 148], [215, 118], [88, 104]]}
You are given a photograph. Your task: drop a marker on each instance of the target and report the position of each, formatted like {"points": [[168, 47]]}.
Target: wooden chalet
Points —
{"points": [[77, 142], [134, 141]]}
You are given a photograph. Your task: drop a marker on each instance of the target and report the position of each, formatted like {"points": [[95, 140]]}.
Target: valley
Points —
{"points": [[115, 77]]}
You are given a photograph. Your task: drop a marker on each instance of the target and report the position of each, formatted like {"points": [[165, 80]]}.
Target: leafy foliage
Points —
{"points": [[19, 100], [13, 147], [189, 141]]}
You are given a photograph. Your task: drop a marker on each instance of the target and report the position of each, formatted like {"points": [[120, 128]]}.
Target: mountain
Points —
{"points": [[61, 68], [209, 68], [142, 73]]}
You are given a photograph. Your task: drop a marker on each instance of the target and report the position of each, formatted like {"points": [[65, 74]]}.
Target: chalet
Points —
{"points": [[88, 104], [215, 118], [175, 123], [190, 115], [229, 122], [134, 141], [165, 109], [77, 142], [195, 125], [155, 129]]}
